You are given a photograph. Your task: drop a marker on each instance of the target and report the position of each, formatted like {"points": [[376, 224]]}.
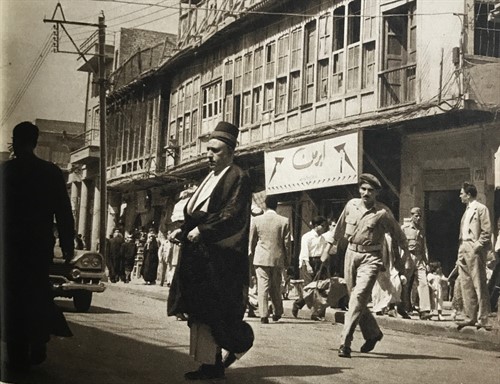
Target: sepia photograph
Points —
{"points": [[249, 191]]}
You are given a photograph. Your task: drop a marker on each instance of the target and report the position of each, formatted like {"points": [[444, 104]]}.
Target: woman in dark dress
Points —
{"points": [[149, 268]]}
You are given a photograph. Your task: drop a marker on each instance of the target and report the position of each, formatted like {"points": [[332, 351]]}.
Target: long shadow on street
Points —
{"points": [[99, 357]]}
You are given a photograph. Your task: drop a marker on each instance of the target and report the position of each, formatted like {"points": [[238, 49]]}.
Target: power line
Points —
{"points": [[35, 67], [269, 13], [121, 16]]}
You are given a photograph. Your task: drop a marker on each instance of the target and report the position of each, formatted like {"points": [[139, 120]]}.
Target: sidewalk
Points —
{"points": [[446, 328]]}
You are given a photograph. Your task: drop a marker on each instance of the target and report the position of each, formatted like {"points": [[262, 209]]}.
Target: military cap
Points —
{"points": [[415, 210], [369, 179]]}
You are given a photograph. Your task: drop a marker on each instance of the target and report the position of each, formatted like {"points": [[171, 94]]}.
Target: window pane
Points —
{"points": [[354, 22], [338, 29]]}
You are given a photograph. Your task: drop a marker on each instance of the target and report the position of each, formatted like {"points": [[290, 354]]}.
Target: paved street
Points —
{"points": [[127, 338]]}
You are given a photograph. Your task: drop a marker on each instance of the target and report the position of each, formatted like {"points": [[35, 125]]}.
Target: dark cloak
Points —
{"points": [[211, 280]]}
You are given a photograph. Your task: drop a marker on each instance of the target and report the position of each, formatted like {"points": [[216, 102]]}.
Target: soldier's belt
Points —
{"points": [[365, 248]]}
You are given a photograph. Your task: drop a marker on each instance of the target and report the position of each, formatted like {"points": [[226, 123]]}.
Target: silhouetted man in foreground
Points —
{"points": [[33, 194]]}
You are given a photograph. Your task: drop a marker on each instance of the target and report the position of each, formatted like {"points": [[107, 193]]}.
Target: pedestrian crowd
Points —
{"points": [[223, 257], [366, 260]]}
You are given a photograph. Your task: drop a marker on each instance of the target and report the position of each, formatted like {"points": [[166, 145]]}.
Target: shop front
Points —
{"points": [[314, 178], [434, 167]]}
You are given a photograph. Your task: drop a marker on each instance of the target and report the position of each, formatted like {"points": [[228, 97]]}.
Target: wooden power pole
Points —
{"points": [[101, 29]]}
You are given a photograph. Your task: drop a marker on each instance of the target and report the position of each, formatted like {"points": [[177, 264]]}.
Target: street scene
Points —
{"points": [[127, 338], [250, 191]]}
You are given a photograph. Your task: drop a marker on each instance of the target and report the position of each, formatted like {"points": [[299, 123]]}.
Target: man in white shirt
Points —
{"points": [[312, 246], [475, 241]]}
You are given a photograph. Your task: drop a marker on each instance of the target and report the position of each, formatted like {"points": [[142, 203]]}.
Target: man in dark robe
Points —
{"points": [[33, 194], [211, 280]]}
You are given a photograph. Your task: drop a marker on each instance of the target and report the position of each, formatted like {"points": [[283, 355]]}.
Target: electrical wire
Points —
{"points": [[35, 67], [245, 12]]}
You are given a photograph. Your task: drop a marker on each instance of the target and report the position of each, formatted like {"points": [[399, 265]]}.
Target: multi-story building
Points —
{"points": [[137, 53], [321, 91]]}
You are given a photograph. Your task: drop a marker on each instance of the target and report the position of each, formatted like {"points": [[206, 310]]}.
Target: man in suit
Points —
{"points": [[211, 279], [33, 194], [475, 237], [270, 248]]}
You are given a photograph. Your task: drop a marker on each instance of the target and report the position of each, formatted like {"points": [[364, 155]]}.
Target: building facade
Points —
{"points": [[321, 91]]}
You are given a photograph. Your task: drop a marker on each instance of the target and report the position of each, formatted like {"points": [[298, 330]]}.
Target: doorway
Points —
{"points": [[443, 212]]}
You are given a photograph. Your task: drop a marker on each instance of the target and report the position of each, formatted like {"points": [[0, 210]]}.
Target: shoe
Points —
{"points": [[391, 313], [276, 317], [295, 310], [229, 359], [344, 351], [425, 315], [440, 317], [181, 317], [484, 325], [264, 320], [465, 323], [370, 343], [317, 318], [251, 313], [206, 372], [403, 313]]}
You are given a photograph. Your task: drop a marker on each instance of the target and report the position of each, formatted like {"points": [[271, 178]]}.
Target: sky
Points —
{"points": [[56, 90]]}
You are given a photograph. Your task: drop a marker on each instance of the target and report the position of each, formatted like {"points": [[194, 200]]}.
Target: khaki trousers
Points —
{"points": [[416, 272], [360, 274], [269, 286], [472, 277]]}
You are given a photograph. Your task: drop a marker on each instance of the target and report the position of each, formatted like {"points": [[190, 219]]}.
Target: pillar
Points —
{"points": [[82, 217], [95, 219]]}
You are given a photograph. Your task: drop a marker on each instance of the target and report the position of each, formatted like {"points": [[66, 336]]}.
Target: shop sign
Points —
{"points": [[314, 165]]}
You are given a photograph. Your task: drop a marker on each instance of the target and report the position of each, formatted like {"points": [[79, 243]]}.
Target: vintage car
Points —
{"points": [[78, 279]]}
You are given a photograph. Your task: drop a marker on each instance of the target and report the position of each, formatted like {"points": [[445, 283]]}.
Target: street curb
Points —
{"points": [[445, 329]]}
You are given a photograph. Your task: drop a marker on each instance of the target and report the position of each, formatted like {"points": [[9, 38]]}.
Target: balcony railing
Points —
{"points": [[91, 137], [397, 85]]}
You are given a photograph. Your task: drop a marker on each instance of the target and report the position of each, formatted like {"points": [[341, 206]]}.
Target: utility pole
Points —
{"points": [[101, 30], [102, 136]]}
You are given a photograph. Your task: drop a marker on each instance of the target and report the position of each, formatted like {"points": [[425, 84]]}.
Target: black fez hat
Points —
{"points": [[226, 132], [369, 179]]}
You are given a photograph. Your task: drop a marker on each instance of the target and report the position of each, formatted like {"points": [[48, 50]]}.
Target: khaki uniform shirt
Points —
{"points": [[416, 245], [368, 227]]}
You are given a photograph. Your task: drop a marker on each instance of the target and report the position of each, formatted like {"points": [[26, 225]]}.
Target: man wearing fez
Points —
{"points": [[211, 280], [364, 222]]}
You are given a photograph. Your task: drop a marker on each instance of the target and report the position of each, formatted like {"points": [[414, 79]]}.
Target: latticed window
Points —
{"points": [[283, 50], [486, 30], [281, 95]]}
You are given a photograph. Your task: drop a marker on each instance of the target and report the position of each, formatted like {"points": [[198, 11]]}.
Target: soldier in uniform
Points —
{"points": [[364, 223], [416, 264]]}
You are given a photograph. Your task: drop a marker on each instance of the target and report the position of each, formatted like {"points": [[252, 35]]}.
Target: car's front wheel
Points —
{"points": [[82, 300]]}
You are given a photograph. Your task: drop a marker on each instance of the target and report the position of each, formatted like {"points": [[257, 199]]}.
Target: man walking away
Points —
{"points": [[270, 248], [33, 194]]}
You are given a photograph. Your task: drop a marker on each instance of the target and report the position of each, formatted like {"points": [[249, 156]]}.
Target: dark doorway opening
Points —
{"points": [[443, 212]]}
